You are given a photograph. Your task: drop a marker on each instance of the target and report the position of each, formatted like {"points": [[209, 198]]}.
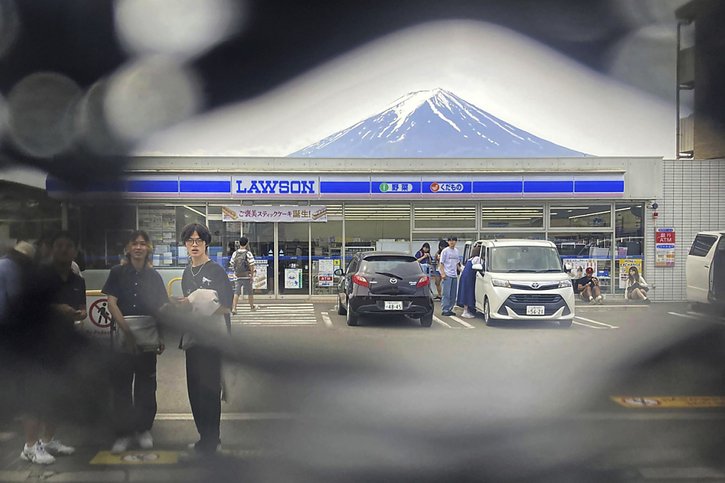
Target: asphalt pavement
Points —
{"points": [[628, 393]]}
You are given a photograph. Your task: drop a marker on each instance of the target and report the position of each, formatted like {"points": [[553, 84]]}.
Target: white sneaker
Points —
{"points": [[55, 447], [121, 445], [467, 315], [600, 300], [37, 454], [145, 441]]}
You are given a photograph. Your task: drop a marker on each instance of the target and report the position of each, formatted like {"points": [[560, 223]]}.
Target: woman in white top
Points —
{"points": [[637, 287]]}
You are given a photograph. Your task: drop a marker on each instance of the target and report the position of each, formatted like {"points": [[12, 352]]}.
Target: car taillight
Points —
{"points": [[362, 281], [423, 282]]}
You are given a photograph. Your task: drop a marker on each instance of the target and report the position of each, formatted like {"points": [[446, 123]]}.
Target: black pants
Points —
{"points": [[133, 379], [203, 379]]}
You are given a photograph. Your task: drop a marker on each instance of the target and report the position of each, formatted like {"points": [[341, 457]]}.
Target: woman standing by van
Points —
{"points": [[637, 287]]}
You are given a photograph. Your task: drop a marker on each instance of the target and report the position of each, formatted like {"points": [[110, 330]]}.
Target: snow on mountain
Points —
{"points": [[433, 123]]}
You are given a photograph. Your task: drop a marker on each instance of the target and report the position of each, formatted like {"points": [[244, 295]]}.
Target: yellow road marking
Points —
{"points": [[638, 402], [136, 458]]}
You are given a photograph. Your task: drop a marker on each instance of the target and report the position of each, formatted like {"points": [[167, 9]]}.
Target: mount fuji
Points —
{"points": [[430, 124]]}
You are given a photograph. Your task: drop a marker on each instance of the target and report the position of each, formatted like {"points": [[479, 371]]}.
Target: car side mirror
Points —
{"points": [[477, 267], [339, 272]]}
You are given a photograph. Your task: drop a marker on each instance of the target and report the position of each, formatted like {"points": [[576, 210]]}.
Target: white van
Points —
{"points": [[706, 268], [523, 280]]}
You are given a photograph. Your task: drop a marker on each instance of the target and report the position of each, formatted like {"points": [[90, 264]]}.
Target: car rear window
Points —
{"points": [[702, 245], [400, 265]]}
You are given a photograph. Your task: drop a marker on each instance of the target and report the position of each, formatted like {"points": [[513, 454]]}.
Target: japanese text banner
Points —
{"points": [[285, 214]]}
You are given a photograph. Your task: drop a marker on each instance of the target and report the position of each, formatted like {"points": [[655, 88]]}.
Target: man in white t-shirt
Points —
{"points": [[450, 266]]}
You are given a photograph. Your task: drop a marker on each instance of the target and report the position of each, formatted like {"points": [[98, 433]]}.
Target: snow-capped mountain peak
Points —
{"points": [[433, 123]]}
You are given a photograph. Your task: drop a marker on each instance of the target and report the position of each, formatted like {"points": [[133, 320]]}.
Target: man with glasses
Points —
{"points": [[203, 360]]}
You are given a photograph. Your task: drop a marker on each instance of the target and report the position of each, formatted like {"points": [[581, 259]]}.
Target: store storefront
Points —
{"points": [[302, 226]]}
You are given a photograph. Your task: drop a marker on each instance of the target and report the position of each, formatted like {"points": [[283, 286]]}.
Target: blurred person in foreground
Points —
{"points": [[207, 300], [52, 342], [136, 295]]}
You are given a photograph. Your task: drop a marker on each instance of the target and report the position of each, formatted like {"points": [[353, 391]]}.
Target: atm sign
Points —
{"points": [[665, 236]]}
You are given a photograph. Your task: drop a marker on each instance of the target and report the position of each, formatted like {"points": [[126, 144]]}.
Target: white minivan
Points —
{"points": [[706, 268], [522, 280]]}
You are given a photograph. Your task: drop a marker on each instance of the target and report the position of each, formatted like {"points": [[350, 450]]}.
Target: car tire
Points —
{"points": [[565, 324], [351, 317], [426, 320], [341, 310], [487, 313]]}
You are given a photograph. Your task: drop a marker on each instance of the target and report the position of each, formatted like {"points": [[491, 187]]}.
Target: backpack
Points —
{"points": [[241, 263]]}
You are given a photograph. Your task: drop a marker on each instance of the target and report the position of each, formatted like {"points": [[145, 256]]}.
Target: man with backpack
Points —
{"points": [[242, 263]]}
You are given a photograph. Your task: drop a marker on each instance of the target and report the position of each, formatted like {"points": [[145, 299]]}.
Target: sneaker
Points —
{"points": [[468, 315], [145, 441], [448, 314], [200, 448], [647, 301], [255, 307], [37, 454], [55, 447], [600, 300], [121, 445]]}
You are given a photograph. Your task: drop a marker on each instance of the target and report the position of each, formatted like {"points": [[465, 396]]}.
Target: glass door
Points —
{"points": [[294, 258], [261, 243]]}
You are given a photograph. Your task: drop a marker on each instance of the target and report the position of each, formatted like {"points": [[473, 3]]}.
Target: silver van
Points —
{"points": [[706, 268]]}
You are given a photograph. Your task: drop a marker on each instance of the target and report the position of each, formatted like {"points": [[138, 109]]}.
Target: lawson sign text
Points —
{"points": [[339, 186]]}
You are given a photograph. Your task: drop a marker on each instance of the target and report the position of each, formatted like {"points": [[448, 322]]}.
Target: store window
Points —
{"points": [[442, 215], [582, 250], [224, 235], [327, 251], [105, 229], [581, 216], [629, 240], [512, 217], [376, 227]]}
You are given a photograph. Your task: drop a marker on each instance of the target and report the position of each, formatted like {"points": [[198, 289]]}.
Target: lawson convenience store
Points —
{"points": [[306, 217]]}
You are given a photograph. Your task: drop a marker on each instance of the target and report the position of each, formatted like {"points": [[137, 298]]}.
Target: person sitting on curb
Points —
{"points": [[637, 287], [589, 289]]}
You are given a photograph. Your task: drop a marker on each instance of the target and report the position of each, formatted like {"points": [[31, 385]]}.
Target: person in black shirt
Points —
{"points": [[203, 361], [588, 287], [134, 288]]}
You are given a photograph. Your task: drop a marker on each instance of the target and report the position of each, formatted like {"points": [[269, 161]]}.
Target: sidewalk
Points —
{"points": [[170, 460]]}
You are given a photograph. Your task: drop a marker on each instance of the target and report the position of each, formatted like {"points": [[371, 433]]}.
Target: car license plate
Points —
{"points": [[535, 310], [393, 305]]}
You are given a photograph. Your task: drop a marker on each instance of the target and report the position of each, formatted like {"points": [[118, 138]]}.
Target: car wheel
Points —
{"points": [[351, 317], [340, 308], [565, 324], [426, 320], [487, 312]]}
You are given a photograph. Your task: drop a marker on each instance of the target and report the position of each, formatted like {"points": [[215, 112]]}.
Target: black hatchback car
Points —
{"points": [[384, 283]]}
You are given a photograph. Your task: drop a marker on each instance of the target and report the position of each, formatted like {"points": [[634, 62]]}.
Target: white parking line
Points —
{"points": [[707, 316], [439, 321], [588, 326], [463, 323], [596, 322], [326, 319], [684, 316], [697, 316]]}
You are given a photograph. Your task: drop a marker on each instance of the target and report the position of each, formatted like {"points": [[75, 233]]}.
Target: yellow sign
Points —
{"points": [[136, 458], [670, 402]]}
